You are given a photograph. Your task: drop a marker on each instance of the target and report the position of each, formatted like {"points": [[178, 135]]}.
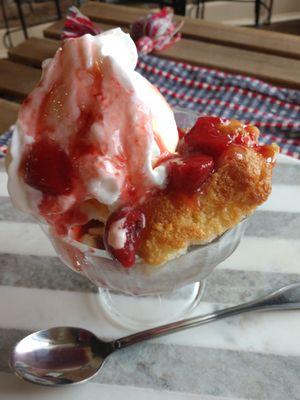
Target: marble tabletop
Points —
{"points": [[254, 356]]}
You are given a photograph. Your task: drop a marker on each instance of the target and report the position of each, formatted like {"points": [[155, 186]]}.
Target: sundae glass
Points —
{"points": [[143, 201], [145, 295]]}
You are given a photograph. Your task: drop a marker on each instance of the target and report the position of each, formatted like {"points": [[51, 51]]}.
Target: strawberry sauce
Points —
{"points": [[48, 168], [188, 173], [91, 134]]}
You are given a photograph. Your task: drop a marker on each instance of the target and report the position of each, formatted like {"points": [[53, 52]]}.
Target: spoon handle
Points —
{"points": [[285, 298]]}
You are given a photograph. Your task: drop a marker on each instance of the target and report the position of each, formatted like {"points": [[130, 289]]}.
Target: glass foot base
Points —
{"points": [[141, 312]]}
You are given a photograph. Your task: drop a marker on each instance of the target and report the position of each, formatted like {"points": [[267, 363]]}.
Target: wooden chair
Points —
{"points": [[258, 4], [8, 114], [22, 19]]}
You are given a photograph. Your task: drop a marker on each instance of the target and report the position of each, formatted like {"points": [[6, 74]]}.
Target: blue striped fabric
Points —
{"points": [[274, 110]]}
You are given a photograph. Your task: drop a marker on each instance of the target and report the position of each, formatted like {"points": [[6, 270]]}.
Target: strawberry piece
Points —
{"points": [[188, 173], [206, 137], [212, 135], [47, 167], [268, 152], [181, 133], [122, 235]]}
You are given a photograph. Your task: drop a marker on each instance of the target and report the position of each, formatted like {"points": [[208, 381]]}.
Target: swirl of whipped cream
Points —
{"points": [[110, 121]]}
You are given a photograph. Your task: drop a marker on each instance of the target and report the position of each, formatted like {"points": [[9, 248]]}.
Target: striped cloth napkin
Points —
{"points": [[274, 110], [254, 356]]}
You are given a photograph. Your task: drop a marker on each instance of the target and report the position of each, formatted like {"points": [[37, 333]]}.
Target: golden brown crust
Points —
{"points": [[241, 183]]}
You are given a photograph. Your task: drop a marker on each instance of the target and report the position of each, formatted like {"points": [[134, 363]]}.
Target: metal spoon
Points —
{"points": [[65, 355]]}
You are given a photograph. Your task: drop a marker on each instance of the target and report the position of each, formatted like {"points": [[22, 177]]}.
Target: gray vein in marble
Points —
{"points": [[8, 338], [205, 371], [202, 371], [222, 286], [40, 272], [234, 287]]}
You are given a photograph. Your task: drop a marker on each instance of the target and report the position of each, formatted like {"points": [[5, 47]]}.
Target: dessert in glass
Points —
{"points": [[143, 205]]}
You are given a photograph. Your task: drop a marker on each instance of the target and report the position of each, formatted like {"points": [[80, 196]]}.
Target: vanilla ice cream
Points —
{"points": [[91, 129]]}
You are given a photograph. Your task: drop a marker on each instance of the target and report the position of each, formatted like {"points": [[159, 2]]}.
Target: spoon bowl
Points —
{"points": [[59, 356]]}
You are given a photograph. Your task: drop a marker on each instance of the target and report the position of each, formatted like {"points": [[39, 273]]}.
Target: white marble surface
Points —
{"points": [[250, 356]]}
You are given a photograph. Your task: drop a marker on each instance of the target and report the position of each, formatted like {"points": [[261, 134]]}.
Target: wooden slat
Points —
{"points": [[271, 68], [34, 51], [214, 32], [8, 114], [54, 30], [17, 79], [244, 38], [113, 14]]}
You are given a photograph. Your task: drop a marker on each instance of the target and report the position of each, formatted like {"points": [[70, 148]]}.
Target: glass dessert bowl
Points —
{"points": [[146, 295], [159, 294], [143, 205]]}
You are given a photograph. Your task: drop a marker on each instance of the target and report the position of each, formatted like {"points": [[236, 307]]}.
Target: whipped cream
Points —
{"points": [[91, 96], [117, 234]]}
